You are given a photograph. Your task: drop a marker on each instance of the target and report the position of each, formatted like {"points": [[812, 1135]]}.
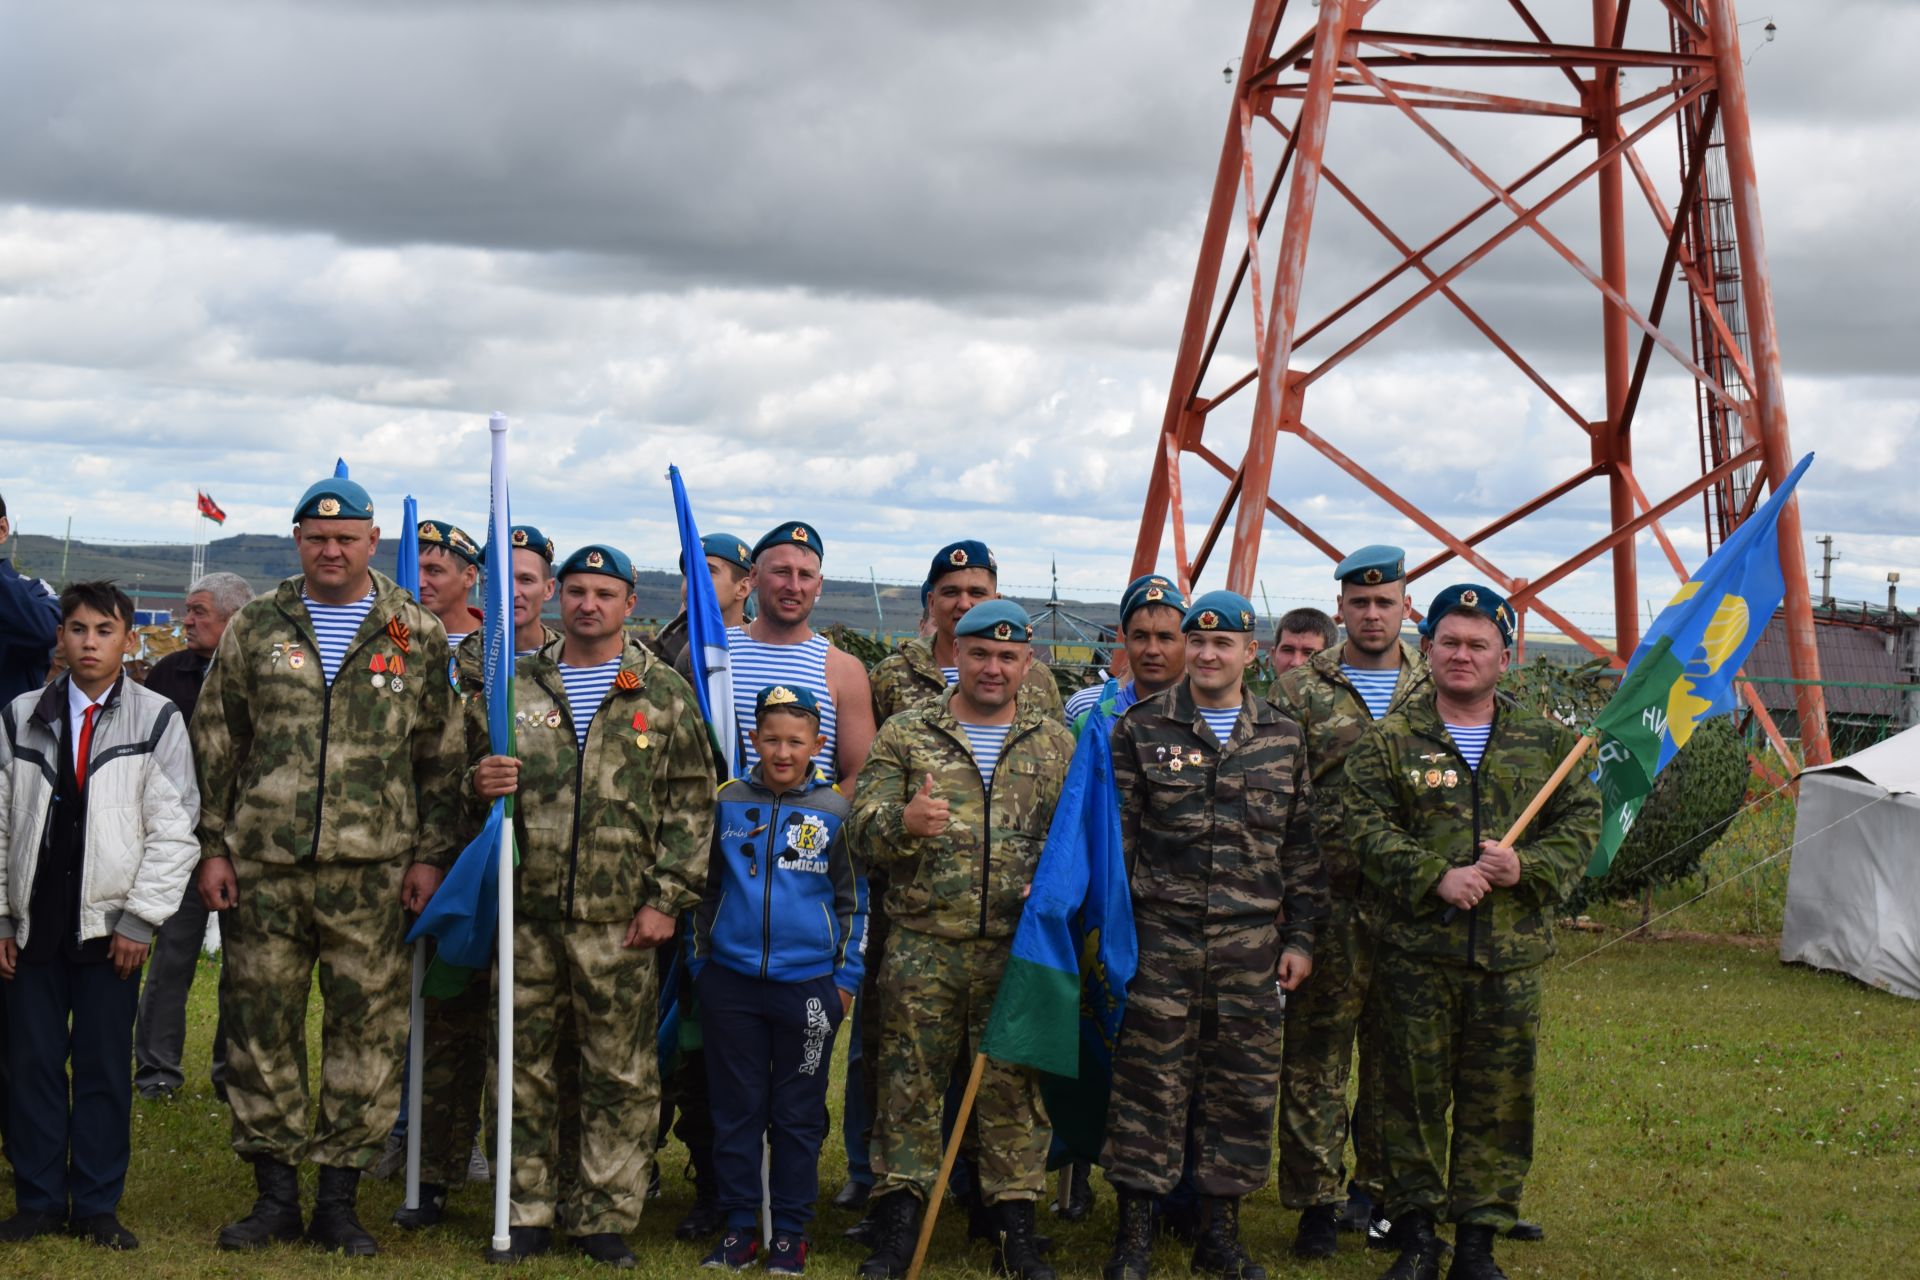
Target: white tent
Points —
{"points": [[1853, 896]]}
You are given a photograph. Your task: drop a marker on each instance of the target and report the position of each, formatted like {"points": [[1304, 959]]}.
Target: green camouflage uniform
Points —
{"points": [[954, 900], [1459, 991], [908, 679], [600, 833], [1218, 845], [1326, 1012], [321, 796]]}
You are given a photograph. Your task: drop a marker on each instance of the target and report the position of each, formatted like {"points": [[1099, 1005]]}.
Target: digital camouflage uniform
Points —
{"points": [[1218, 843], [1459, 991], [909, 678], [322, 796], [1328, 1009], [953, 901], [600, 833]]}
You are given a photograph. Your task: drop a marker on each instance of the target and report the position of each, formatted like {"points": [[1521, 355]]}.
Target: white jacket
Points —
{"points": [[142, 803]]}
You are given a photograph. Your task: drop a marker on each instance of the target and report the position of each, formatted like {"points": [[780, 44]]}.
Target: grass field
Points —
{"points": [[1704, 1112]]}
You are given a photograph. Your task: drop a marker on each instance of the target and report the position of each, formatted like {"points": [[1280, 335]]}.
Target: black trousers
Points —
{"points": [[70, 1148], [160, 1035]]}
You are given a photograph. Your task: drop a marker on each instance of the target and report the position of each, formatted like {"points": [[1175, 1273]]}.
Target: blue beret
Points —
{"points": [[724, 546], [1471, 597], [448, 537], [1219, 611], [1152, 589], [796, 533], [966, 554], [926, 589], [528, 538], [996, 620], [598, 557], [790, 697], [1371, 566], [335, 498]]}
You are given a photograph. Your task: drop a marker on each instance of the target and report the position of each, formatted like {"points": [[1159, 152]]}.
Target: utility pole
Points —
{"points": [[879, 616], [66, 547], [1827, 556]]}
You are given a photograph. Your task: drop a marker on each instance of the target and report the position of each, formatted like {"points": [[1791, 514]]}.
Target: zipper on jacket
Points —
{"points": [[766, 892], [986, 846], [579, 778], [326, 719], [1473, 776]]}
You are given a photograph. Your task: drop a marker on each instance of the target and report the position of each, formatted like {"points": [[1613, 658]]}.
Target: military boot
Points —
{"points": [[1420, 1250], [1132, 1255], [983, 1227], [1014, 1251], [1473, 1255], [431, 1209], [276, 1210], [1218, 1251], [335, 1226], [1079, 1201], [1319, 1233], [896, 1230], [704, 1219]]}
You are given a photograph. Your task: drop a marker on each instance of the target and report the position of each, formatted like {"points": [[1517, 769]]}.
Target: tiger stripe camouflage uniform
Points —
{"points": [[954, 900], [1218, 844], [1460, 990], [321, 796], [601, 832], [1327, 1011]]}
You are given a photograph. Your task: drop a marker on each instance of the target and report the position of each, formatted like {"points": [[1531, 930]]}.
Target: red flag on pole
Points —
{"points": [[211, 510]]}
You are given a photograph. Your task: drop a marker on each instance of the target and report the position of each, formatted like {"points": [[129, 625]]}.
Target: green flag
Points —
{"points": [[1631, 731]]}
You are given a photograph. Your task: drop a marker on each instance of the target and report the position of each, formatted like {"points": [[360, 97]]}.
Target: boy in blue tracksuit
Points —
{"points": [[777, 962]]}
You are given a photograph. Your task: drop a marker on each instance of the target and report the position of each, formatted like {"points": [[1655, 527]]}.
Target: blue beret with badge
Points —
{"points": [[1471, 597], [786, 697], [1371, 566], [966, 554], [450, 538], [1219, 611], [335, 498], [598, 557], [1149, 589], [723, 547], [794, 533], [525, 537], [996, 620]]}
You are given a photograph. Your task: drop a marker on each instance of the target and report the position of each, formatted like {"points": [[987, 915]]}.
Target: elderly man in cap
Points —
{"points": [[1335, 697], [956, 798], [1463, 925], [328, 752], [1227, 892], [1151, 610], [614, 779]]}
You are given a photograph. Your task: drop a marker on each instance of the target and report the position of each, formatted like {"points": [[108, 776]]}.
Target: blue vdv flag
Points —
{"points": [[1074, 953], [340, 469], [463, 915], [407, 569], [707, 636]]}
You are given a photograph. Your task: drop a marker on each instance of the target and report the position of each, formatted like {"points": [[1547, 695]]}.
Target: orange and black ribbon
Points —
{"points": [[398, 632]]}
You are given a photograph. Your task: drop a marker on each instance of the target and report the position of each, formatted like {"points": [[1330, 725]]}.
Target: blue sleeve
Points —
{"points": [[29, 611]]}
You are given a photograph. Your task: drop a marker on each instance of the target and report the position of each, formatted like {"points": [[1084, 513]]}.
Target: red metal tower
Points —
{"points": [[1715, 254]]}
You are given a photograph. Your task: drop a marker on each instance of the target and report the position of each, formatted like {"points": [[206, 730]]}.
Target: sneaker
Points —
{"points": [[477, 1168], [787, 1256], [737, 1250]]}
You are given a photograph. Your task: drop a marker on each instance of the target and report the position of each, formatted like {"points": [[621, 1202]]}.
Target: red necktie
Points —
{"points": [[86, 747]]}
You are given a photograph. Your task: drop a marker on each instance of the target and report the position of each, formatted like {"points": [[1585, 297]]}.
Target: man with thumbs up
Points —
{"points": [[956, 798]]}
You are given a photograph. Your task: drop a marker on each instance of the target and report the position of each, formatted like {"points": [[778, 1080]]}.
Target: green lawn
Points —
{"points": [[1704, 1112]]}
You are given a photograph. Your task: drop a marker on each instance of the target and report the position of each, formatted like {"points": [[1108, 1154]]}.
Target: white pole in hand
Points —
{"points": [[503, 1083], [416, 1061]]}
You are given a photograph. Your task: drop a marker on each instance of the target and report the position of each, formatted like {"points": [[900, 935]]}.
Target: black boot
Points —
{"points": [[432, 1208], [276, 1210], [522, 1243], [1218, 1251], [335, 1226], [1473, 1255], [1420, 1250], [704, 1219], [896, 1230], [609, 1248], [984, 1228], [1079, 1193], [1530, 1232], [1014, 1251], [1319, 1233], [1132, 1255]]}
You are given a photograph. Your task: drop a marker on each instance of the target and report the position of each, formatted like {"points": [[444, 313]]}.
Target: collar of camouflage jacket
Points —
{"points": [[545, 662], [389, 598], [940, 714], [1423, 714], [1413, 664], [1182, 707], [918, 654]]}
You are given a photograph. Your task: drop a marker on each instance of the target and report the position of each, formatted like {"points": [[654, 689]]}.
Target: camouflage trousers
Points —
{"points": [[1202, 1026], [1322, 1019], [579, 972], [344, 918], [936, 994], [453, 1079], [1459, 1037]]}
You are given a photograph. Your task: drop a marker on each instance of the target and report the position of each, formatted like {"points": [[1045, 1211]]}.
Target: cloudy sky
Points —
{"points": [[912, 270]]}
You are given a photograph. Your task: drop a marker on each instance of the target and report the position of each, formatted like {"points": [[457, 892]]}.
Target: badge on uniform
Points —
{"points": [[399, 633], [296, 657], [1195, 759], [553, 718], [279, 651], [1433, 778], [640, 730], [1160, 754], [1176, 764], [627, 680], [378, 665], [1452, 778]]}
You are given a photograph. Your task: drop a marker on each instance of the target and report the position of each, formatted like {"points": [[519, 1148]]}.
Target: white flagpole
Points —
{"points": [[416, 1063], [503, 1088]]}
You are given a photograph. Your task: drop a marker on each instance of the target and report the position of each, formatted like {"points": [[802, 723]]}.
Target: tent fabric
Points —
{"points": [[1853, 894]]}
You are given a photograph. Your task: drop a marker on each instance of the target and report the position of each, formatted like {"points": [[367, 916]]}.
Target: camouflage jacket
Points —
{"points": [[909, 679], [1331, 715], [292, 770], [623, 824], [1221, 833], [970, 880], [470, 659], [1415, 810]]}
